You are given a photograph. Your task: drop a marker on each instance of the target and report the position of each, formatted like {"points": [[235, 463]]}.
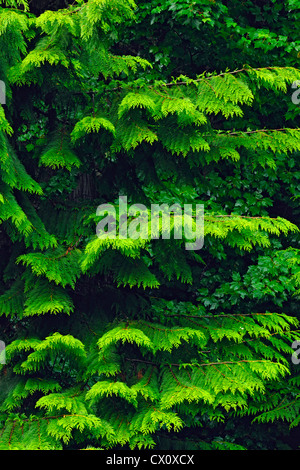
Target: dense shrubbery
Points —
{"points": [[141, 343]]}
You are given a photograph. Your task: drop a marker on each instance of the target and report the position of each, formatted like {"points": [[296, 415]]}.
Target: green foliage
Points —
{"points": [[118, 342]]}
